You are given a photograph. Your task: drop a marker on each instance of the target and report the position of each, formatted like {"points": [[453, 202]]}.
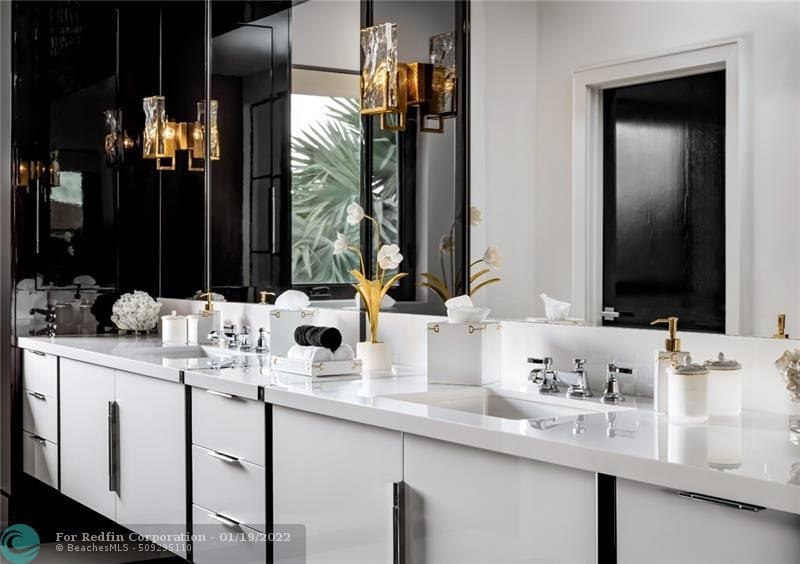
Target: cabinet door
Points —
{"points": [[335, 477], [656, 526], [86, 391], [470, 505], [152, 454]]}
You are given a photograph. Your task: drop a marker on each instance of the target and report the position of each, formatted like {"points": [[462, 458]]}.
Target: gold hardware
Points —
{"points": [[431, 86], [275, 314], [672, 343], [162, 138], [472, 328], [434, 328], [209, 305], [781, 332], [264, 300], [304, 314]]}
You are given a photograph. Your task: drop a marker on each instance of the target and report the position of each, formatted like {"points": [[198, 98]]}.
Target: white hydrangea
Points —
{"points": [[136, 311]]}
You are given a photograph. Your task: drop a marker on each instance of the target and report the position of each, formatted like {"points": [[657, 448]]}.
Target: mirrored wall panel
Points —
{"points": [[639, 161]]}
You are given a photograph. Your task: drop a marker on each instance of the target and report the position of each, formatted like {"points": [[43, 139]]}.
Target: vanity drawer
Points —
{"points": [[229, 424], [235, 488], [40, 458], [40, 373], [226, 541], [40, 414]]}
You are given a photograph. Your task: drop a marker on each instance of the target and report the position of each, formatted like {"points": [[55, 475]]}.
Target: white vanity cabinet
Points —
{"points": [[335, 477], [465, 504], [657, 526], [123, 446], [229, 478], [40, 416]]}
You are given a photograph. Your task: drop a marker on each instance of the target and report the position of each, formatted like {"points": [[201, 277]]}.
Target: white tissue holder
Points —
{"points": [[316, 368], [282, 323], [464, 353]]}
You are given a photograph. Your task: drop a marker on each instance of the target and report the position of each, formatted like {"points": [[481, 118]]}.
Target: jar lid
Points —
{"points": [[173, 315], [723, 363], [690, 369]]}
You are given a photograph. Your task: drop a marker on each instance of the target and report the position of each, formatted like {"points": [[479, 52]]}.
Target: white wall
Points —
{"points": [[571, 35], [503, 125], [325, 33]]}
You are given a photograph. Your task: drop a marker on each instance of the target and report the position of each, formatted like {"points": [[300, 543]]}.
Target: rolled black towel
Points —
{"points": [[312, 336]]}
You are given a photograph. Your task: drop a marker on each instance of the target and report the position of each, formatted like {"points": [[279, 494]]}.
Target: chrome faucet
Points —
{"points": [[228, 336], [612, 393], [242, 341], [545, 377], [261, 344], [580, 389]]}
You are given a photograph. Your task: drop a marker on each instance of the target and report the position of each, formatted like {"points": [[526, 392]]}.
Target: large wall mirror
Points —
{"points": [[295, 151], [638, 160]]}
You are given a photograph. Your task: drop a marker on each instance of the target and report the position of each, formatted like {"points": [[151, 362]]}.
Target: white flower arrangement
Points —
{"points": [[135, 311]]}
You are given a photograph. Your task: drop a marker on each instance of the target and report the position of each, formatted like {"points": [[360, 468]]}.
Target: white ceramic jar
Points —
{"points": [[173, 329], [688, 392], [724, 386]]}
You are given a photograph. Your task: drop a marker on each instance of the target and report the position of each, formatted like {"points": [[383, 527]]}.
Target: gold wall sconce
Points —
{"points": [[162, 138], [389, 87], [32, 171]]}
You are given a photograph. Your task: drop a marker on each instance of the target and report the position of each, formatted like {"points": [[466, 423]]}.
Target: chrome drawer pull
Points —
{"points": [[37, 395], [223, 457], [227, 521], [38, 439], [221, 394], [720, 501], [37, 353]]}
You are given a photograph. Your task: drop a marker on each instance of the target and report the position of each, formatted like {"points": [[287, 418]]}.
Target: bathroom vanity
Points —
{"points": [[395, 469]]}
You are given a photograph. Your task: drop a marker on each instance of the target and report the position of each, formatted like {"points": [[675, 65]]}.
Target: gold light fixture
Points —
{"points": [[162, 138], [389, 87]]}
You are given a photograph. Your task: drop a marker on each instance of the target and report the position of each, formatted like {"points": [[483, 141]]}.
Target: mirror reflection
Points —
{"points": [[642, 166]]}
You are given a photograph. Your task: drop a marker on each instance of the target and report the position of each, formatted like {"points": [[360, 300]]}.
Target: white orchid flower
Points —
{"points": [[475, 216], [341, 244], [355, 214], [492, 257], [389, 257], [446, 244]]}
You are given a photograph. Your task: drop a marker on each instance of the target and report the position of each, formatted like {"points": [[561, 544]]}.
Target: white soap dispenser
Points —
{"points": [[664, 360]]}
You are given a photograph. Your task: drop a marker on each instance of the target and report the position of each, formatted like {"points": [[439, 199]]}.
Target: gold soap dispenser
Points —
{"points": [[671, 356], [210, 318]]}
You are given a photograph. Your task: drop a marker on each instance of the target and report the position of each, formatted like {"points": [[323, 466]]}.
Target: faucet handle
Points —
{"points": [[580, 363], [546, 361], [614, 369]]}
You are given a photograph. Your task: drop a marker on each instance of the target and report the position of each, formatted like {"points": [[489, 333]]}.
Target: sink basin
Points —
{"points": [[504, 404], [178, 352]]}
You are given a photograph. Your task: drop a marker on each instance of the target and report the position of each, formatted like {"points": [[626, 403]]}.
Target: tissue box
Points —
{"points": [[282, 323], [464, 353]]}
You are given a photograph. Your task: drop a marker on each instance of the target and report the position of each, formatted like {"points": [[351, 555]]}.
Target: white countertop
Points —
{"points": [[751, 458]]}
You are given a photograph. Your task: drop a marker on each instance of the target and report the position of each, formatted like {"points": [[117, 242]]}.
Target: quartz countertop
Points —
{"points": [[753, 458]]}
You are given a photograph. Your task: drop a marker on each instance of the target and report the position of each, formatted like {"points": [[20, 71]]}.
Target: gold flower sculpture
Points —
{"points": [[372, 290], [490, 261]]}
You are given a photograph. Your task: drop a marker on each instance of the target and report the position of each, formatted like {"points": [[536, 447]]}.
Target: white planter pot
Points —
{"points": [[376, 357]]}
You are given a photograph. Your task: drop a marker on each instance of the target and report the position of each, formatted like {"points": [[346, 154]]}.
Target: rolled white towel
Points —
{"points": [[310, 354], [344, 352]]}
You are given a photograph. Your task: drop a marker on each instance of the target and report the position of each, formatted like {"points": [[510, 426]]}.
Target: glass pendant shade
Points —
{"points": [[443, 58], [380, 81], [154, 143]]}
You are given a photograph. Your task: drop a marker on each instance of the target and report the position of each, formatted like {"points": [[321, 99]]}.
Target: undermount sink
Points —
{"points": [[504, 404]]}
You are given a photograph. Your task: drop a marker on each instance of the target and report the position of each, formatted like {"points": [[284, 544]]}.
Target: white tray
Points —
{"points": [[317, 369]]}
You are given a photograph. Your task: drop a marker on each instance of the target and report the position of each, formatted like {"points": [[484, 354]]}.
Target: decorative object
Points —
{"points": [[461, 310], [389, 87], [446, 286], [788, 366], [327, 369], [464, 353], [135, 311], [162, 138], [780, 332], [174, 329], [376, 355]]}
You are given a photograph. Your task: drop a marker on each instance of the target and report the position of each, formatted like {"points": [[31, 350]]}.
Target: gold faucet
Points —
{"points": [[781, 333]]}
